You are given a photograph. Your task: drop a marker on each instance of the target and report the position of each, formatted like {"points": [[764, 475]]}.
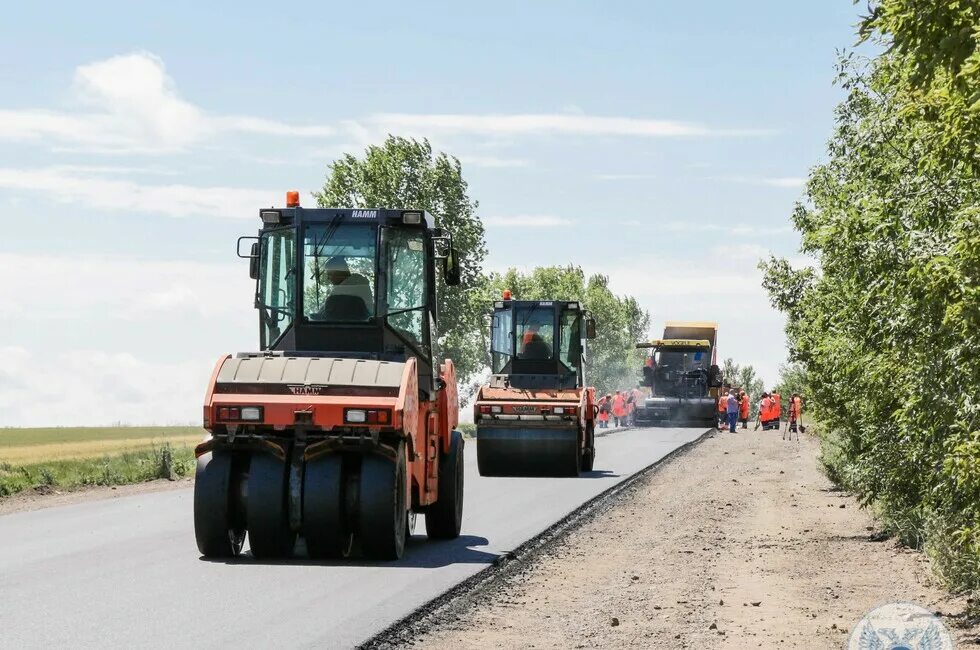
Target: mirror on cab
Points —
{"points": [[590, 328], [450, 268]]}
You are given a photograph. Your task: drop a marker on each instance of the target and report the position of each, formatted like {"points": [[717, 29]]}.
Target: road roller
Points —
{"points": [[682, 376], [536, 416], [340, 430]]}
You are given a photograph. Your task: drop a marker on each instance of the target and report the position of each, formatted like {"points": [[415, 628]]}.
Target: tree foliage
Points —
{"points": [[405, 173], [614, 362], [887, 323]]}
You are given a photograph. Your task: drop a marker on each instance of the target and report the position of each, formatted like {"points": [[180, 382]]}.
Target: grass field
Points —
{"points": [[72, 457], [28, 446]]}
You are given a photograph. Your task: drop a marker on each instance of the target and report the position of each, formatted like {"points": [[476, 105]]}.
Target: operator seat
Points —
{"points": [[536, 348], [344, 307]]}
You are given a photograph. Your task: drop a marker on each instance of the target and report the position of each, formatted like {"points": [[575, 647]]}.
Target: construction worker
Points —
{"points": [[744, 409], [765, 411], [722, 408], [604, 407], [630, 406], [619, 409], [795, 413], [777, 409], [732, 411]]}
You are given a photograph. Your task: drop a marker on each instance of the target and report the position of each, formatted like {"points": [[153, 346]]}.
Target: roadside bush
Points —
{"points": [[886, 323]]}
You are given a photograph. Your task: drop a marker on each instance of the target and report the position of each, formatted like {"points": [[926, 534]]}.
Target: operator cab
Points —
{"points": [[539, 344], [350, 283], [680, 368]]}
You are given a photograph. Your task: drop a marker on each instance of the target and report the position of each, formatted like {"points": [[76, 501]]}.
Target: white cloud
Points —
{"points": [[785, 181], [175, 200], [130, 104], [122, 289], [625, 177], [735, 230], [492, 161], [770, 181], [109, 339], [525, 221], [98, 388], [541, 123]]}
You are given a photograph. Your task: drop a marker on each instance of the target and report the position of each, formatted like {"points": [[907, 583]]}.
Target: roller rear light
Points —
{"points": [[367, 416], [239, 414]]}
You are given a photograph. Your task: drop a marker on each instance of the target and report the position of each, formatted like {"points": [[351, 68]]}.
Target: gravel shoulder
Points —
{"points": [[39, 499], [741, 542]]}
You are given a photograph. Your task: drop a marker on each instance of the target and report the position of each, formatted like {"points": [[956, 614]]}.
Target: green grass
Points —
{"points": [[164, 461], [16, 437]]}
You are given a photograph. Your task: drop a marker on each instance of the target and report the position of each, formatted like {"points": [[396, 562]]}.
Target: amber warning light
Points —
{"points": [[292, 199], [507, 294]]}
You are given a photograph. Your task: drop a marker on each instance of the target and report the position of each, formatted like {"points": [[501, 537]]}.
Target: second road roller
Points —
{"points": [[536, 417]]}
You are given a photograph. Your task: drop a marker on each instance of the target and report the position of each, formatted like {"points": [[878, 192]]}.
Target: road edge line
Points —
{"points": [[429, 614]]}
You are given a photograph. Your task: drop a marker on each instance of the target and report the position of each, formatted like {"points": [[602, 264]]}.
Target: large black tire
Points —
{"points": [[444, 518], [383, 512], [575, 467], [269, 535], [588, 454], [218, 525], [323, 508]]}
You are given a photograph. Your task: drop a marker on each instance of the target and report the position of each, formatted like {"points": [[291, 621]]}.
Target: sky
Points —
{"points": [[663, 144]]}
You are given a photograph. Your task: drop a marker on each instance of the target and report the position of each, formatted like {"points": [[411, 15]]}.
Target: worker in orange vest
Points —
{"points": [[604, 407], [777, 409], [796, 414], [619, 409], [765, 411], [743, 412], [722, 408]]}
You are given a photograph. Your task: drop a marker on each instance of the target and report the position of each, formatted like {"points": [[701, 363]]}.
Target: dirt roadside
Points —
{"points": [[49, 498], [739, 543]]}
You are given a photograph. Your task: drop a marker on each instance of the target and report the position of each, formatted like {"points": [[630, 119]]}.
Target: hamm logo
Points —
{"points": [[364, 214], [297, 389]]}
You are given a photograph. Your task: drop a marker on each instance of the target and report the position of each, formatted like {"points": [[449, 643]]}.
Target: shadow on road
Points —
{"points": [[599, 473], [419, 554]]}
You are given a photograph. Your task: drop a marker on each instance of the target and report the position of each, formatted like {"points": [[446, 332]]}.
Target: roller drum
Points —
{"points": [[528, 451]]}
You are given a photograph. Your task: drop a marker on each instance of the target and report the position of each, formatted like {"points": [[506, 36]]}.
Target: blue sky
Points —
{"points": [[661, 143]]}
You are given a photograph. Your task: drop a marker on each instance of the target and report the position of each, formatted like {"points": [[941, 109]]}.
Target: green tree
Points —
{"points": [[613, 362], [405, 173], [886, 325], [792, 379]]}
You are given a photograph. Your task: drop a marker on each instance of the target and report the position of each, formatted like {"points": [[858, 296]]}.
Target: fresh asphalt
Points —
{"points": [[126, 572]]}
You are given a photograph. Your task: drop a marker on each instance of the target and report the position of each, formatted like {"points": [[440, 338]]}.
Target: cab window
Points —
{"points": [[406, 284]]}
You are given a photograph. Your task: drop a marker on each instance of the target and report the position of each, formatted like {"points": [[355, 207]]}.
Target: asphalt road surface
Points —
{"points": [[126, 572]]}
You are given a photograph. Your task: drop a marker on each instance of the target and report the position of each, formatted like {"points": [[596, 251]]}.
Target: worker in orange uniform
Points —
{"points": [[795, 415], [743, 409], [722, 408], [630, 406], [765, 412], [777, 409], [619, 409], [604, 407]]}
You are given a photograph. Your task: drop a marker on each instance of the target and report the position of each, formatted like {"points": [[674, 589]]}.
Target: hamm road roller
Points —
{"points": [[536, 417], [341, 428], [682, 375]]}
